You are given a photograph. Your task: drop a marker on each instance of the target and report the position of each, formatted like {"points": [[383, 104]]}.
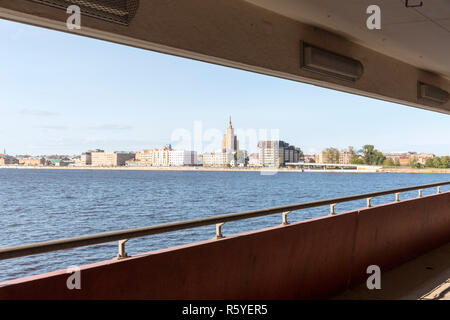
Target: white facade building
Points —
{"points": [[218, 159], [182, 158], [166, 157]]}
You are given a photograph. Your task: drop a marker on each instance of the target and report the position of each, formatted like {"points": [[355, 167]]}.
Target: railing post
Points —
{"points": [[122, 254], [369, 202], [397, 197], [284, 217], [420, 193], [439, 189], [219, 234], [332, 212]]}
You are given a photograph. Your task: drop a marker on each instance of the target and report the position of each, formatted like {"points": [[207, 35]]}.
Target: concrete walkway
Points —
{"points": [[426, 277]]}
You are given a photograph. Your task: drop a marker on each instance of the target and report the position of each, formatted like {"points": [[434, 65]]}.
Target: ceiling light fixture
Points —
{"points": [[329, 63], [429, 93]]}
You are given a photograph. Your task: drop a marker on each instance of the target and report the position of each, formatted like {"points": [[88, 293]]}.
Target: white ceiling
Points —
{"points": [[418, 36]]}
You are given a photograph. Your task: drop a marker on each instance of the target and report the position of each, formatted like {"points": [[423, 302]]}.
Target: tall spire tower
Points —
{"points": [[230, 142]]}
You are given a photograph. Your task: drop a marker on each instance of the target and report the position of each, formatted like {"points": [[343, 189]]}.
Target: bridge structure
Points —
{"points": [[328, 166]]}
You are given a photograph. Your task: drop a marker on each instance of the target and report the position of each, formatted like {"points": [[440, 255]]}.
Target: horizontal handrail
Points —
{"points": [[70, 243]]}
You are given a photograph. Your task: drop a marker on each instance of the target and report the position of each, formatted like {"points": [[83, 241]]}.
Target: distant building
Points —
{"points": [[230, 142], [166, 157], [154, 157], [345, 156], [179, 158], [110, 159], [65, 163], [423, 157], [277, 153], [253, 160], [86, 158], [242, 158], [332, 155], [132, 163], [32, 162], [309, 158], [402, 158], [53, 162], [8, 160], [230, 155], [217, 159], [322, 157]]}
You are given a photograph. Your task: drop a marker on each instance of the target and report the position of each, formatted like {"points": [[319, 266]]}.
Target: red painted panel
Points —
{"points": [[309, 259], [391, 234]]}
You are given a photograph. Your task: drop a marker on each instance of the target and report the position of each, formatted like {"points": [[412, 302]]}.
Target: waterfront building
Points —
{"points": [[32, 162], [277, 153], [110, 159], [53, 162], [154, 157], [86, 158], [309, 158], [322, 157], [132, 163], [242, 158], [65, 163], [145, 157], [179, 158], [345, 156], [200, 159], [166, 157], [423, 157], [217, 159], [253, 160], [332, 155], [402, 158], [8, 160]]}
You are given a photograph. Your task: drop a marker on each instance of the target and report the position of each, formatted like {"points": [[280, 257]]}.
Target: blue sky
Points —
{"points": [[65, 94]]}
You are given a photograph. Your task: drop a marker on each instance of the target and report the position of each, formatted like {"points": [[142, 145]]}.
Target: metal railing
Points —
{"points": [[124, 235]]}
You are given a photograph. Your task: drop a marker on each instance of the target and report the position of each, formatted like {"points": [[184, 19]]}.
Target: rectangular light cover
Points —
{"points": [[117, 11], [329, 63], [431, 93]]}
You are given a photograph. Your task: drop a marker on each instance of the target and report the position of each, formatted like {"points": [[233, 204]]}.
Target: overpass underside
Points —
{"points": [[321, 42]]}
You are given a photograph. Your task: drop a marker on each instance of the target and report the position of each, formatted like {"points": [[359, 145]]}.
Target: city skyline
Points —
{"points": [[66, 94]]}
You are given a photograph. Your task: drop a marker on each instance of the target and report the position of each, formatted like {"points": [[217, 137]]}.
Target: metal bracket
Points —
{"points": [[122, 254], [332, 212], [219, 234], [284, 217], [413, 5]]}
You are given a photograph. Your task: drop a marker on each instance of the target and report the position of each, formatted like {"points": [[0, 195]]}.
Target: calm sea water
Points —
{"points": [[41, 205]]}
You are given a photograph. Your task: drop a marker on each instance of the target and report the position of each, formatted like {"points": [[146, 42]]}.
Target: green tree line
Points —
{"points": [[367, 155], [438, 162]]}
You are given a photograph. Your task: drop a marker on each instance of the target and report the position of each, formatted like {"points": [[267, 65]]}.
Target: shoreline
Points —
{"points": [[246, 169]]}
